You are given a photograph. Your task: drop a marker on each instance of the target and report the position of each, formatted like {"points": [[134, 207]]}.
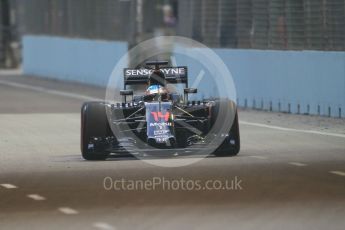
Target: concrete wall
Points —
{"points": [[87, 61], [311, 82]]}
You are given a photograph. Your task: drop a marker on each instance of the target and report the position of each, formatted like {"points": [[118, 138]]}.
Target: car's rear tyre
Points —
{"points": [[231, 144], [94, 123]]}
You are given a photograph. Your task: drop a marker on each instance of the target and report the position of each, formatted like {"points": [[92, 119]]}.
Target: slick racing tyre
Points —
{"points": [[231, 144], [94, 124]]}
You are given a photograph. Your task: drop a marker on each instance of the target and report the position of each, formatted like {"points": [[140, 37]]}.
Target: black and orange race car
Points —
{"points": [[159, 119]]}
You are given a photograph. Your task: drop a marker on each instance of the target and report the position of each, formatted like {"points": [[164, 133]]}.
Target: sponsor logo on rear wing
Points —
{"points": [[172, 75]]}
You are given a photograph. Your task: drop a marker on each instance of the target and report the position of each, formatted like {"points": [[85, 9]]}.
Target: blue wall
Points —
{"points": [[87, 61], [313, 81]]}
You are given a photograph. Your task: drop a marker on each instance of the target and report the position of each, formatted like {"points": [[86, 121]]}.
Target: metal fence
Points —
{"points": [[257, 24], [266, 24], [103, 19]]}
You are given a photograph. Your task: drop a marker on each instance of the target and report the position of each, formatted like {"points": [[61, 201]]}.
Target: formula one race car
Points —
{"points": [[158, 119]]}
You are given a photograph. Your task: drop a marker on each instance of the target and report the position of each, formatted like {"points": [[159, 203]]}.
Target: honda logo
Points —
{"points": [[158, 115]]}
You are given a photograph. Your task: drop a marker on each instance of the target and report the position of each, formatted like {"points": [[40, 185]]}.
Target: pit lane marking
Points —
{"points": [[8, 186], [68, 211], [339, 173], [298, 164], [292, 130], [103, 226], [36, 197], [259, 157], [50, 91]]}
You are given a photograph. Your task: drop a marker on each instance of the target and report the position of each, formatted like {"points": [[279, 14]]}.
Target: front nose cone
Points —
{"points": [[162, 142]]}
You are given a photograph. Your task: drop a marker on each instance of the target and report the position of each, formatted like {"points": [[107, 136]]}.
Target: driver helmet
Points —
{"points": [[157, 84], [154, 89]]}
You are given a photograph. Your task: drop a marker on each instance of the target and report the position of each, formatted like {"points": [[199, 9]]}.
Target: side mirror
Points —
{"points": [[190, 90], [126, 92]]}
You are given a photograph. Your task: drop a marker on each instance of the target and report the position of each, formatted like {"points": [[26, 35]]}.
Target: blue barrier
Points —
{"points": [[305, 82], [81, 60]]}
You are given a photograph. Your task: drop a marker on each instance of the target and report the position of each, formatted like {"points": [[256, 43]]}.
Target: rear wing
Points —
{"points": [[173, 75]]}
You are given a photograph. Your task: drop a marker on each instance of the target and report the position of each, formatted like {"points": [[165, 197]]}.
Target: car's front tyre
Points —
{"points": [[230, 146], [94, 123]]}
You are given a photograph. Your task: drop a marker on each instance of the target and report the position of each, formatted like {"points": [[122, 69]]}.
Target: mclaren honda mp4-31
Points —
{"points": [[158, 119]]}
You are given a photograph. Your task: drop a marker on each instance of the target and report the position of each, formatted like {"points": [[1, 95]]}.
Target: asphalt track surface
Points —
{"points": [[291, 171]]}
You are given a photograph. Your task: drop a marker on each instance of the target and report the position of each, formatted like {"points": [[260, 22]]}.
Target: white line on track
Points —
{"points": [[339, 173], [8, 186], [68, 211], [259, 157], [103, 226], [36, 197], [87, 98], [292, 130], [50, 91], [297, 164]]}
